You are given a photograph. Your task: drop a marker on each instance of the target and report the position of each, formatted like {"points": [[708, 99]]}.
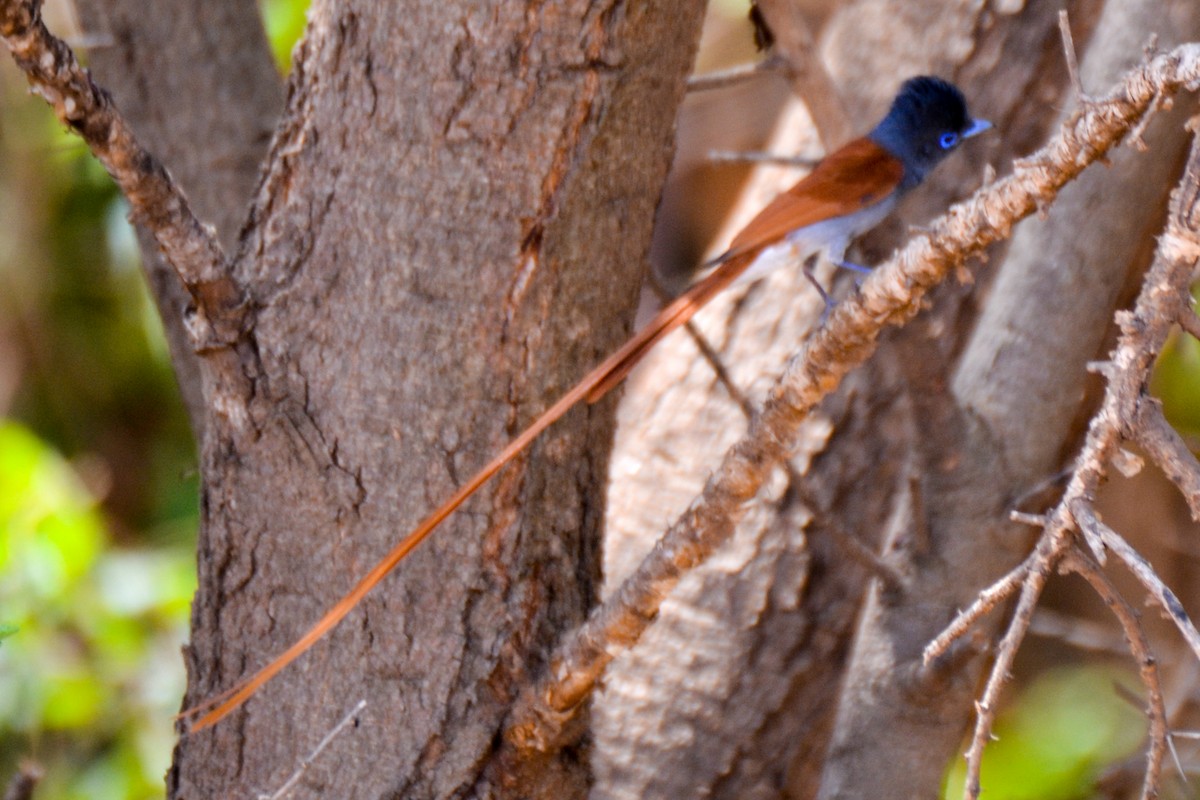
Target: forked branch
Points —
{"points": [[1125, 412]]}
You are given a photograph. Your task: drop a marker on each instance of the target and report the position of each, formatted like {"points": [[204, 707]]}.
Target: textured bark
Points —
{"points": [[196, 80], [452, 226]]}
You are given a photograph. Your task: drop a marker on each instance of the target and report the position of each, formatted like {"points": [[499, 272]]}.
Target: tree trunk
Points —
{"points": [[451, 227]]}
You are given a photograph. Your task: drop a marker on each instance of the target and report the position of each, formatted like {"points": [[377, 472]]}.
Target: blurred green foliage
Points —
{"points": [[284, 21], [1177, 382], [1057, 736], [98, 485], [90, 672]]}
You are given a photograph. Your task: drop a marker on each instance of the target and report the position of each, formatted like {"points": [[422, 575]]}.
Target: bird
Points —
{"points": [[849, 192]]}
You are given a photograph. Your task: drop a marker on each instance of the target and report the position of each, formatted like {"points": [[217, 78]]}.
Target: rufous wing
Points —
{"points": [[847, 180]]}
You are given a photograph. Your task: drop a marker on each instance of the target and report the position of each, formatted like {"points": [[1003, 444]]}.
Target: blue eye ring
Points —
{"points": [[948, 140]]}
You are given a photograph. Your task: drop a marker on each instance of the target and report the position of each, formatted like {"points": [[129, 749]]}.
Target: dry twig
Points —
{"points": [[308, 760], [719, 79], [1160, 441], [1139, 647], [1068, 43], [735, 157], [24, 781]]}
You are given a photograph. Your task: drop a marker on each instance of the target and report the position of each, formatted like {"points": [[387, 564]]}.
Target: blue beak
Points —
{"points": [[976, 127]]}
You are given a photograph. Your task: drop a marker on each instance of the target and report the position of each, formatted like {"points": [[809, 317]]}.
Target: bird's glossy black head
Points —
{"points": [[927, 121]]}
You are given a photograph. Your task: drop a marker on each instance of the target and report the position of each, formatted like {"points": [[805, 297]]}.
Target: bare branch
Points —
{"points": [[1163, 444], [190, 246], [1076, 632], [811, 82], [287, 786], [719, 79], [1147, 665], [734, 157], [890, 295], [1046, 556], [987, 600], [1141, 569], [24, 781], [1189, 321], [848, 544]]}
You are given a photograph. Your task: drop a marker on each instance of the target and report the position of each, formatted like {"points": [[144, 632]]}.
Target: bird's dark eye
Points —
{"points": [[948, 140]]}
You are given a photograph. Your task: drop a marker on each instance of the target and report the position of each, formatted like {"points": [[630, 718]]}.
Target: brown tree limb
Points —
{"points": [[987, 600], [1162, 595], [157, 202], [890, 295], [1045, 557], [219, 58], [719, 79], [1189, 321]]}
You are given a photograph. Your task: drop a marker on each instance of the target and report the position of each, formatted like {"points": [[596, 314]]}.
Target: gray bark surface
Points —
{"points": [[451, 228]]}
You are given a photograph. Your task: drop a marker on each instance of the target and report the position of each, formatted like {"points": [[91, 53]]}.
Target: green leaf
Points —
{"points": [[1054, 740]]}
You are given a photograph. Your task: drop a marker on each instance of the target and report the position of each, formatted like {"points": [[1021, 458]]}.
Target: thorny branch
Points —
{"points": [[1126, 412], [891, 295], [156, 201], [1156, 709]]}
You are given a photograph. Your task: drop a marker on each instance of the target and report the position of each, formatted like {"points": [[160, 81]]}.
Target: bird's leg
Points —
{"points": [[809, 263], [850, 265]]}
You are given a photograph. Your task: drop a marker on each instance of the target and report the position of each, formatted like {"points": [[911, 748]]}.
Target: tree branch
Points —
{"points": [[1164, 445], [811, 82], [890, 295], [190, 246]]}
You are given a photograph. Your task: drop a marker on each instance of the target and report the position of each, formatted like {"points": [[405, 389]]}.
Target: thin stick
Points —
{"points": [[24, 781], [1141, 569], [1164, 445], [190, 247], [1068, 43], [1139, 647], [1189, 321], [738, 157], [308, 760], [1006, 653], [987, 600], [719, 79]]}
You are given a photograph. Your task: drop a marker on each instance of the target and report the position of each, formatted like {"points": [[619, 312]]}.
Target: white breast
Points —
{"points": [[830, 238]]}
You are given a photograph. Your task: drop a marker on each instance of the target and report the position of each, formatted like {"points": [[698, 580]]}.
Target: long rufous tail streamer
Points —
{"points": [[591, 388]]}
